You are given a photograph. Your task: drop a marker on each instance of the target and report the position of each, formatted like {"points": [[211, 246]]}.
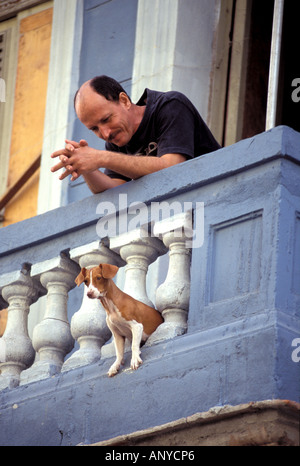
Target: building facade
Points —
{"points": [[232, 336]]}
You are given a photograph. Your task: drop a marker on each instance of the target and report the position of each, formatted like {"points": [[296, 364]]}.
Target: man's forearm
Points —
{"points": [[136, 166], [80, 159], [99, 182]]}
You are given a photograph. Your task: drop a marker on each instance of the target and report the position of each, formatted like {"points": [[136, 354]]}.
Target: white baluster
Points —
{"points": [[88, 324], [52, 338], [16, 348], [172, 297], [139, 251]]}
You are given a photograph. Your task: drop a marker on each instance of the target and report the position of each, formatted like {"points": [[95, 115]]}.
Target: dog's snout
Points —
{"points": [[90, 294]]}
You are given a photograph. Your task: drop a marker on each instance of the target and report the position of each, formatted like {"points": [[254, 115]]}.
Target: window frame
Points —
{"points": [[9, 29]]}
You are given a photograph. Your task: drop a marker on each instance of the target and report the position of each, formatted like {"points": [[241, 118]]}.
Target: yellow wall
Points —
{"points": [[29, 111]]}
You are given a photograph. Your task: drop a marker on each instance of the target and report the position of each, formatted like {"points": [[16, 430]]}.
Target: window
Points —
{"points": [[25, 64], [8, 59], [245, 38], [247, 84], [288, 110]]}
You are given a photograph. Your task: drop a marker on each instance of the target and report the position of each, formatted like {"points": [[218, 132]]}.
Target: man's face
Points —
{"points": [[110, 121]]}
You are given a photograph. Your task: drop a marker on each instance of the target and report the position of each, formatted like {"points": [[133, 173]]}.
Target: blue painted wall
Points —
{"points": [[107, 48]]}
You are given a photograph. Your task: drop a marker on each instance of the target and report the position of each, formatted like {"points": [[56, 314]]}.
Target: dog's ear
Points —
{"points": [[108, 270], [80, 278]]}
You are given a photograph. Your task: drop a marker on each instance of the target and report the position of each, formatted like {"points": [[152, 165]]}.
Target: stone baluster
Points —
{"points": [[172, 297], [138, 250], [52, 338], [19, 290], [88, 324]]}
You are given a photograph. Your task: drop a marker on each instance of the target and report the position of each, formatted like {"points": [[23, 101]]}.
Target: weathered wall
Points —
{"points": [[29, 111]]}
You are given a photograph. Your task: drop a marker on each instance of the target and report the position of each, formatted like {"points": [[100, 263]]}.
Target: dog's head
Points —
{"points": [[96, 279]]}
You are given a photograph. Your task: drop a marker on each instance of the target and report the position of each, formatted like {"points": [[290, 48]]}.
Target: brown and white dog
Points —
{"points": [[126, 317]]}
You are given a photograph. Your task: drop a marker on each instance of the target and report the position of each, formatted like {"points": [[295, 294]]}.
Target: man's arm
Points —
{"points": [[136, 166], [84, 160], [96, 180], [99, 182]]}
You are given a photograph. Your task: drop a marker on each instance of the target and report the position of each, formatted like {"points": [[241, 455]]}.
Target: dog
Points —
{"points": [[3, 321], [126, 317]]}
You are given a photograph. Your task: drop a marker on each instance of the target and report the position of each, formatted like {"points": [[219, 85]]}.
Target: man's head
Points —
{"points": [[104, 107], [105, 86]]}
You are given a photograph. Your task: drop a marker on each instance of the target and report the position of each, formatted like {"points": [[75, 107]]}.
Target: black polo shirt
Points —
{"points": [[171, 124]]}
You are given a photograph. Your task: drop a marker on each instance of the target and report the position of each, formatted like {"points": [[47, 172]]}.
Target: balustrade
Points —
{"points": [[172, 297], [53, 338], [88, 324], [19, 290]]}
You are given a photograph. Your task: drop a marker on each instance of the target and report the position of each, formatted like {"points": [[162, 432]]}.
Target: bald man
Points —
{"points": [[161, 130]]}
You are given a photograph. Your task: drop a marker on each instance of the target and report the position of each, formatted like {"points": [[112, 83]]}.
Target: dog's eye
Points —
{"points": [[86, 281], [98, 278]]}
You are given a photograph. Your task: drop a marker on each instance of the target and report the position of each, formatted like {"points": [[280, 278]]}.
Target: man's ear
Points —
{"points": [[124, 99], [108, 270], [81, 277]]}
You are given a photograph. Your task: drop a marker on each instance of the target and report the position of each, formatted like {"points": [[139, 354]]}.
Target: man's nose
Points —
{"points": [[104, 133]]}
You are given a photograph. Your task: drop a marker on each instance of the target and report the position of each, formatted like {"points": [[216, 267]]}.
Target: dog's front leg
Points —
{"points": [[119, 343], [137, 333]]}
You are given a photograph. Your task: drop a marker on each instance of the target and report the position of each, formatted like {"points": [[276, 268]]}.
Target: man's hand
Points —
{"points": [[80, 159], [70, 159], [76, 158]]}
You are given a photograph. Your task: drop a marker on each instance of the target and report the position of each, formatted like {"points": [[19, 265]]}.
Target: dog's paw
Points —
{"points": [[135, 362], [113, 370]]}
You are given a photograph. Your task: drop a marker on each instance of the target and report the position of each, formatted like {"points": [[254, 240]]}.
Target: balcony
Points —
{"points": [[222, 266]]}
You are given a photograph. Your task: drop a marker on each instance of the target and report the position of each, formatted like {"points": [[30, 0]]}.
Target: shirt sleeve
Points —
{"points": [[176, 124], [114, 175]]}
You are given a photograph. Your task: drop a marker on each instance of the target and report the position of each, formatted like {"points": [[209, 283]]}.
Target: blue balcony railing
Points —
{"points": [[213, 243]]}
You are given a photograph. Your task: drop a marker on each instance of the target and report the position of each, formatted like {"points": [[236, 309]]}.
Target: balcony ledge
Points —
{"points": [[73, 228], [261, 423]]}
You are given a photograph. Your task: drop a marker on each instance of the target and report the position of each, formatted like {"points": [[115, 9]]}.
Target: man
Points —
{"points": [[161, 130]]}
